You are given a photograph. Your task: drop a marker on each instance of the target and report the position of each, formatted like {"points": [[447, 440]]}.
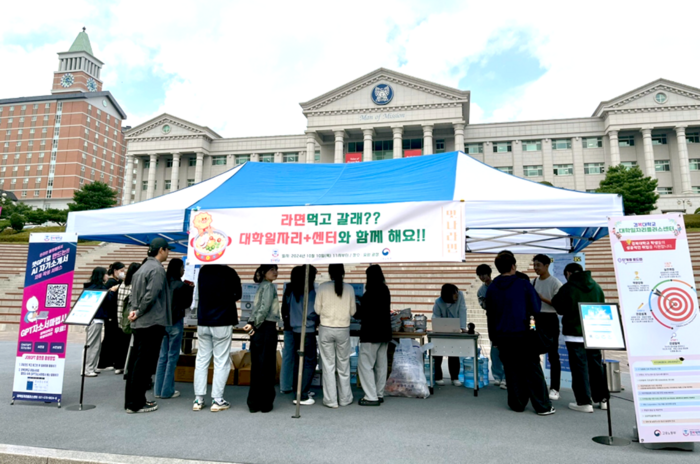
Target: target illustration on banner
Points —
{"points": [[673, 303]]}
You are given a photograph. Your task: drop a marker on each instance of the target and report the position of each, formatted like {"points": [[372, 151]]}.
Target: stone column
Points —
{"points": [[547, 161], [577, 149], [278, 158], [128, 179], [428, 139], [151, 176], [310, 148], [339, 136], [683, 160], [459, 136], [367, 138], [649, 168], [255, 157], [175, 173], [199, 167], [398, 141], [614, 148]]}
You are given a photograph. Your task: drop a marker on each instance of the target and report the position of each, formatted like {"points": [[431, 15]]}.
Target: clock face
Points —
{"points": [[67, 80], [91, 85]]}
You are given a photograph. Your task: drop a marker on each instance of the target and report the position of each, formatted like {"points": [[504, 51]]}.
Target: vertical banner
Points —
{"points": [[41, 345], [659, 306], [556, 269]]}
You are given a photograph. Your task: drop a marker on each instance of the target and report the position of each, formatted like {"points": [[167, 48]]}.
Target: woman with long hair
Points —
{"points": [[94, 330], [123, 296], [293, 314], [375, 335], [114, 340], [181, 298], [262, 325], [335, 305]]}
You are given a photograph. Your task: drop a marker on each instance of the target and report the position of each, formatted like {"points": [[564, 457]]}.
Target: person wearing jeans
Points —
{"points": [[216, 316], [587, 376]]}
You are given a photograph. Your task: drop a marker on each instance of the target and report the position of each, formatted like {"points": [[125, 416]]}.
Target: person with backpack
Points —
{"points": [[114, 339], [94, 330], [123, 296], [181, 298]]}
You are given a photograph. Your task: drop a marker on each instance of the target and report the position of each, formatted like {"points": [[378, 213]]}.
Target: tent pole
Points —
{"points": [[302, 342]]}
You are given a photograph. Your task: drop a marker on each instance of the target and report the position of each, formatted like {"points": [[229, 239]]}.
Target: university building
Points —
{"points": [[51, 145], [386, 114]]}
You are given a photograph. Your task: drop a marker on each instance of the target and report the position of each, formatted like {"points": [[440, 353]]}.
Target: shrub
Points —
{"points": [[692, 221], [17, 221], [697, 211], [8, 231]]}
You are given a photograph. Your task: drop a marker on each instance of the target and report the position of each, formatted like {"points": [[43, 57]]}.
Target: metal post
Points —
{"points": [[81, 406], [302, 342]]}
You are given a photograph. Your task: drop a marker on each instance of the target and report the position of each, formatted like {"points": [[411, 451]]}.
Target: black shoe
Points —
{"points": [[364, 402], [381, 400]]}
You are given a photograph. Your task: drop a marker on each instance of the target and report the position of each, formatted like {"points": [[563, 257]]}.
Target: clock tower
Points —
{"points": [[78, 69]]}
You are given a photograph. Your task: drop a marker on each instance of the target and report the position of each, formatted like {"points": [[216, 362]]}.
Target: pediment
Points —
{"points": [[407, 91], [647, 98], [165, 126]]}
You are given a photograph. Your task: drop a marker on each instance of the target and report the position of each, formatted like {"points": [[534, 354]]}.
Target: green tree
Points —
{"points": [[59, 216], [17, 221], [638, 191], [36, 216], [96, 195], [544, 182], [9, 208]]}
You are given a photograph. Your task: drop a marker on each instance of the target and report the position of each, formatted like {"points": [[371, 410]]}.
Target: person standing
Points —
{"points": [[94, 330], [510, 303], [218, 289], [335, 305], [180, 298], [375, 335], [150, 315], [114, 338], [293, 312], [546, 286], [450, 305], [123, 302], [588, 378], [483, 271], [263, 324]]}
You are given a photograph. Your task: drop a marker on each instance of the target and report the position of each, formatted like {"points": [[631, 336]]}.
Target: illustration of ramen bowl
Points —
{"points": [[210, 246]]}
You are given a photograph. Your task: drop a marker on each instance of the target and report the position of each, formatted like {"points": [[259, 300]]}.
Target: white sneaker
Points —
{"points": [[217, 406], [197, 405], [603, 405], [457, 383], [308, 402], [503, 385], [581, 407], [497, 382], [440, 382], [553, 395], [91, 374], [118, 371]]}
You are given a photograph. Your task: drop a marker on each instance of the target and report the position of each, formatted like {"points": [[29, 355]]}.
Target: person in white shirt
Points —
{"points": [[546, 286], [335, 304]]}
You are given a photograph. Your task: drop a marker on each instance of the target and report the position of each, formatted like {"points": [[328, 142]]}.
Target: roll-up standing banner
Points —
{"points": [[41, 345], [659, 305]]}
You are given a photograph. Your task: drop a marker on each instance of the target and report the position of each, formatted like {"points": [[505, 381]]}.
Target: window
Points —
{"points": [[384, 149], [290, 157], [694, 164], [190, 182], [439, 146], [218, 160], [532, 145], [193, 161], [591, 190], [169, 163], [665, 190], [356, 147], [593, 142], [563, 169], [48, 193], [532, 171], [660, 97], [36, 193], [24, 193], [240, 159], [658, 140], [40, 167], [168, 183], [317, 156], [692, 138], [407, 144], [144, 185], [629, 164], [561, 144], [501, 147], [626, 141], [473, 148], [696, 189], [267, 158], [146, 164], [594, 168], [662, 165], [16, 156], [506, 169]]}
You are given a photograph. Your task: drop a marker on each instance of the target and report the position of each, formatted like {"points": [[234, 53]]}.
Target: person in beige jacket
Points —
{"points": [[335, 304]]}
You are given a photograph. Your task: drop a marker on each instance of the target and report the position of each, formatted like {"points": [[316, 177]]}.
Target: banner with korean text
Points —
{"points": [[397, 232], [659, 307], [41, 345]]}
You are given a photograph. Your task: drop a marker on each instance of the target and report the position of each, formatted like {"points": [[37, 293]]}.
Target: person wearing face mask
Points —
{"points": [[114, 338]]}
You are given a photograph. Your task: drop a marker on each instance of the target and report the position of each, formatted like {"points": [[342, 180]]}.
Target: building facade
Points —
{"points": [[51, 145], [387, 115]]}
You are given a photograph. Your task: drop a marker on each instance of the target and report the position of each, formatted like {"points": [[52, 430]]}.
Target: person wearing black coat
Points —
{"points": [[115, 344], [375, 335]]}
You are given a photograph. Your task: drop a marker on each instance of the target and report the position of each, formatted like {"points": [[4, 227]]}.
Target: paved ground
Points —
{"points": [[451, 426]]}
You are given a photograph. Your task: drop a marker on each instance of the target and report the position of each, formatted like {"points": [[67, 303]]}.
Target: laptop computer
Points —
{"points": [[446, 325]]}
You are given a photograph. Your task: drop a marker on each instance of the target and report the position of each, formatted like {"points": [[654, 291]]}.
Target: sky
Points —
{"points": [[242, 67]]}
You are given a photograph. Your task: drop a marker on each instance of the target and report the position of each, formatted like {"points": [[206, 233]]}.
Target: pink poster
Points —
{"points": [[41, 345]]}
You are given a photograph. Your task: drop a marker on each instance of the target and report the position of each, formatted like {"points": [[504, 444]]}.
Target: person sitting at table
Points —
{"points": [[450, 304], [293, 314], [375, 335], [218, 289], [263, 323]]}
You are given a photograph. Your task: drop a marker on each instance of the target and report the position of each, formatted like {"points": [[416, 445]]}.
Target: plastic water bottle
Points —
{"points": [[244, 345], [532, 323]]}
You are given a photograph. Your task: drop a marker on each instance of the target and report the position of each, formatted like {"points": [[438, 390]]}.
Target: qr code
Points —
{"points": [[56, 296]]}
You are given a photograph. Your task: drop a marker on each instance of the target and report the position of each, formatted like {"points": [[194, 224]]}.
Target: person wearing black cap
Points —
{"points": [[150, 314]]}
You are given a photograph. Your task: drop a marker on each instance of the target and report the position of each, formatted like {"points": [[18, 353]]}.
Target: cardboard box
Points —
{"points": [[243, 376], [184, 372], [241, 359]]}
